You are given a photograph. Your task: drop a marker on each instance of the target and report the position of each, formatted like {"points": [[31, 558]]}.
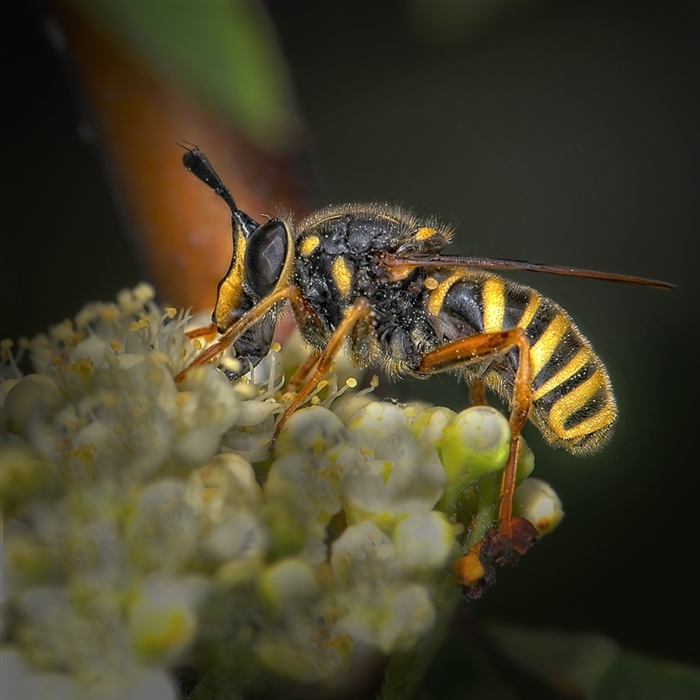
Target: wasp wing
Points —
{"points": [[457, 261]]}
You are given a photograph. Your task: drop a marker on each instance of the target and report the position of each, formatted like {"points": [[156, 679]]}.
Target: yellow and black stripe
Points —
{"points": [[572, 399]]}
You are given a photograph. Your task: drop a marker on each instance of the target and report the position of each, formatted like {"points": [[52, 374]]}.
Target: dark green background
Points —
{"points": [[556, 132]]}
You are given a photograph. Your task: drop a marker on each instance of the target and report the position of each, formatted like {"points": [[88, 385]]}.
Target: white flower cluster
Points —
{"points": [[146, 524]]}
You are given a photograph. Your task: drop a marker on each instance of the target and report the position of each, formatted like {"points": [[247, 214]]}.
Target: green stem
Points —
{"points": [[487, 511]]}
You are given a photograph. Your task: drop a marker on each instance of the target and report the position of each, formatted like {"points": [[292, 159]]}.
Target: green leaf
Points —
{"points": [[224, 50], [635, 676], [567, 662], [593, 666]]}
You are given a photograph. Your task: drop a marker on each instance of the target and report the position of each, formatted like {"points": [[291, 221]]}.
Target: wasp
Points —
{"points": [[373, 277]]}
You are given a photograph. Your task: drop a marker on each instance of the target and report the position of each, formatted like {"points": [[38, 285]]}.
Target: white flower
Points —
{"points": [[146, 522], [393, 472], [388, 617]]}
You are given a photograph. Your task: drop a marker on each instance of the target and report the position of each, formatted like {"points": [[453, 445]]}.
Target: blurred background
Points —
{"points": [[563, 133]]}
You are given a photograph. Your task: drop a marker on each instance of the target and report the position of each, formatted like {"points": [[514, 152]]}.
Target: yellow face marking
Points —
{"points": [[425, 232], [342, 276], [542, 350], [530, 310], [430, 283], [574, 400], [493, 299], [438, 295], [231, 287], [579, 360], [308, 245]]}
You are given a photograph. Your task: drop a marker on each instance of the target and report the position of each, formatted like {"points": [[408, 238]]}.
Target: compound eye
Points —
{"points": [[265, 254]]}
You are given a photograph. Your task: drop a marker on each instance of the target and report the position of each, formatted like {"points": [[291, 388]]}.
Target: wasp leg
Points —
{"points": [[471, 349], [477, 393], [353, 317], [302, 372], [231, 334], [209, 330]]}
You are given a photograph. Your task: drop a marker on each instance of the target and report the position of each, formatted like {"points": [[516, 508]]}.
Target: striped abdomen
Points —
{"points": [[573, 403]]}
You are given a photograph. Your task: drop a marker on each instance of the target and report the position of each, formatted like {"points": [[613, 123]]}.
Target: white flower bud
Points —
{"points": [[359, 543], [430, 424], [25, 475], [29, 402], [314, 428], [234, 538], [288, 585], [425, 540], [224, 486], [395, 619], [163, 617], [536, 501], [475, 444], [255, 412]]}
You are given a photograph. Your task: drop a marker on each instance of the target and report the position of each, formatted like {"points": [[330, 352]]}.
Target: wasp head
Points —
{"points": [[263, 255]]}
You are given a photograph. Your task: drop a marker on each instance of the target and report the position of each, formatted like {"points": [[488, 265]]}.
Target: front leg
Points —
{"points": [[252, 316], [302, 372]]}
